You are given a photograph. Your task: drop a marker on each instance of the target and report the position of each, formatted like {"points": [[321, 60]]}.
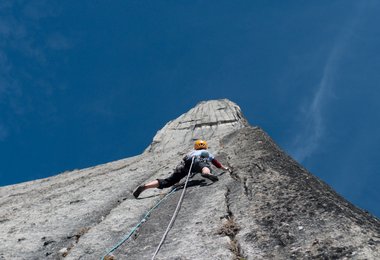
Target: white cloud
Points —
{"points": [[313, 125], [313, 129]]}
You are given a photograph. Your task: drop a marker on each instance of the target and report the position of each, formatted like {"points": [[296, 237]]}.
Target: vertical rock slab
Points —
{"points": [[268, 208], [284, 212]]}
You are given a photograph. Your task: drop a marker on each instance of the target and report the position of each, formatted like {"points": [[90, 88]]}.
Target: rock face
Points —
{"points": [[268, 208]]}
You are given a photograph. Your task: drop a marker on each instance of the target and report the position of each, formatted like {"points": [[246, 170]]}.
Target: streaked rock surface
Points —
{"points": [[268, 208]]}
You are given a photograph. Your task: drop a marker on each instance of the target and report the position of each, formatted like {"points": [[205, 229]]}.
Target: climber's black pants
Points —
{"points": [[181, 171]]}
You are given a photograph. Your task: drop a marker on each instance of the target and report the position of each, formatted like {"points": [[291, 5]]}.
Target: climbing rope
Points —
{"points": [[144, 219], [175, 212]]}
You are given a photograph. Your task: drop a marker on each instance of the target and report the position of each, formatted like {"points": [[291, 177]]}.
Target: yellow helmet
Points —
{"points": [[200, 144]]}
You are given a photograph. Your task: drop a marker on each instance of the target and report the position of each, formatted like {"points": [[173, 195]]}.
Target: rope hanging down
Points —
{"points": [[175, 212], [144, 219]]}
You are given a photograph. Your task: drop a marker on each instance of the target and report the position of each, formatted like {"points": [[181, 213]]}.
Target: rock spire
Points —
{"points": [[270, 207], [208, 120]]}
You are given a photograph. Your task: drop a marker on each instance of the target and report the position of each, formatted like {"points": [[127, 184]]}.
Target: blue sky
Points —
{"points": [[88, 82]]}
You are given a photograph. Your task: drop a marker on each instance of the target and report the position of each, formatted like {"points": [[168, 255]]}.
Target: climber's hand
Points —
{"points": [[227, 169]]}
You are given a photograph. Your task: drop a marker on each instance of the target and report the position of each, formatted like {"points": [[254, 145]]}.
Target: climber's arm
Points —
{"points": [[219, 165]]}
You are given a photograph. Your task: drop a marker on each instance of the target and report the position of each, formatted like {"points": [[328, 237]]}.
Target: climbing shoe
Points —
{"points": [[138, 190], [211, 177]]}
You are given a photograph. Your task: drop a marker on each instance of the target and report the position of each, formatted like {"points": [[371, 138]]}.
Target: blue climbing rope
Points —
{"points": [[144, 219]]}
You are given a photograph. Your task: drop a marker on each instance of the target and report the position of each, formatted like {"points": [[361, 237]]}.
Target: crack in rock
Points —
{"points": [[230, 229]]}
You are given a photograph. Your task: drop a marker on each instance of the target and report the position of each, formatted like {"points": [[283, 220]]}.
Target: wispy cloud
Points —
{"points": [[308, 139], [23, 38]]}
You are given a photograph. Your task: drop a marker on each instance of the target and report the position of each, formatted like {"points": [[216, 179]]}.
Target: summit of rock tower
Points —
{"points": [[208, 120]]}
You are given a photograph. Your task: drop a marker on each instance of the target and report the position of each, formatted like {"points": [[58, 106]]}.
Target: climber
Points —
{"points": [[200, 165]]}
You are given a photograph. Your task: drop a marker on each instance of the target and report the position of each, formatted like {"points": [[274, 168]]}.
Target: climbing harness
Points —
{"points": [[175, 212]]}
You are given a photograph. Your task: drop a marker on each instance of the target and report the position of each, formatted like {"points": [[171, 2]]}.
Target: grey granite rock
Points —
{"points": [[268, 208]]}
